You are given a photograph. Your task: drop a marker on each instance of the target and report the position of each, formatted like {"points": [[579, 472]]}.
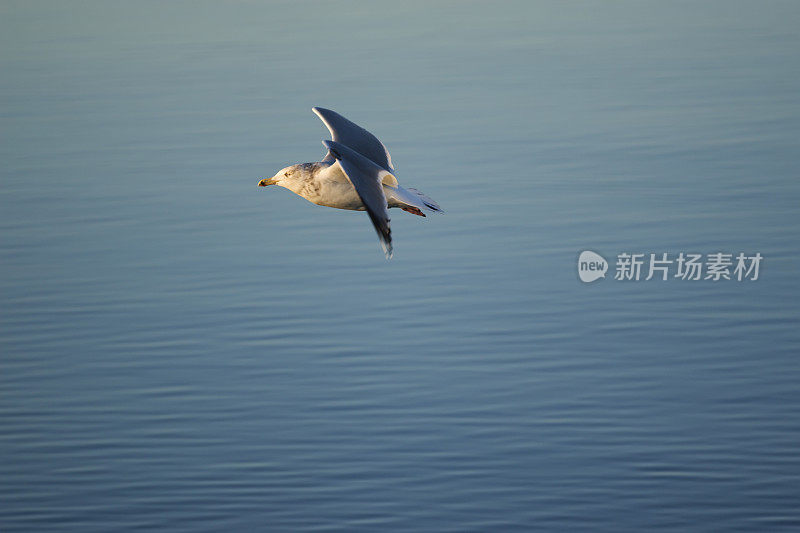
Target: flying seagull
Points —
{"points": [[356, 174]]}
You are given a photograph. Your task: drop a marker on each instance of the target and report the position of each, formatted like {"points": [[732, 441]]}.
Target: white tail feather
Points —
{"points": [[399, 197], [430, 203]]}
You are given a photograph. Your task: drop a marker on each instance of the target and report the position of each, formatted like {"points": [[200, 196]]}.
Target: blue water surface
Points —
{"points": [[183, 351]]}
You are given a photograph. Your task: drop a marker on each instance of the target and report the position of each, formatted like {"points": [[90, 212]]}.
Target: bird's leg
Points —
{"points": [[413, 210]]}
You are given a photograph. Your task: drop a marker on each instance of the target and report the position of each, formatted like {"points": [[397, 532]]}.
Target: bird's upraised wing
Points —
{"points": [[367, 177], [354, 137]]}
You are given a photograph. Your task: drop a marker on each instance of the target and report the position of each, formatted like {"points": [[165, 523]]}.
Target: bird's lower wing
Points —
{"points": [[366, 177]]}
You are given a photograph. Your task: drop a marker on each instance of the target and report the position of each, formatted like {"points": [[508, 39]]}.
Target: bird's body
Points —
{"points": [[323, 183], [356, 174]]}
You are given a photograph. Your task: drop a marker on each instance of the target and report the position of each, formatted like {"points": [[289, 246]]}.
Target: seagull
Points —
{"points": [[356, 174]]}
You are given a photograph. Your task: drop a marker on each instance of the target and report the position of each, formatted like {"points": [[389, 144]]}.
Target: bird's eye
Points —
{"points": [[286, 174]]}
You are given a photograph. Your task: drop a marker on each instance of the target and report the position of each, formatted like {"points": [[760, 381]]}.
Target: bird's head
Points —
{"points": [[285, 174]]}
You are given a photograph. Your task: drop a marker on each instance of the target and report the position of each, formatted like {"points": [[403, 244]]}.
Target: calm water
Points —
{"points": [[181, 350]]}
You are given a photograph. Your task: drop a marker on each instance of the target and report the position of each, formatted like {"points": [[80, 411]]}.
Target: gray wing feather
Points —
{"points": [[366, 177], [355, 137]]}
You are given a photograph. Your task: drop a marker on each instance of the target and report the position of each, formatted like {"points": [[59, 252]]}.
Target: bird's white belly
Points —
{"points": [[331, 188], [342, 195], [338, 194]]}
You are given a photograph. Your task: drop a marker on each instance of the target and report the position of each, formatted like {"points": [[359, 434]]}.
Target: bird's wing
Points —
{"points": [[367, 177], [355, 137]]}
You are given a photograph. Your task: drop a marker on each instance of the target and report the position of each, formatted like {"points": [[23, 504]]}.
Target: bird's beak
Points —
{"points": [[266, 181]]}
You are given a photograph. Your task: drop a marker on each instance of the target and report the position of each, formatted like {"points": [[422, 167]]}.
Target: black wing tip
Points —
{"points": [[384, 231]]}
